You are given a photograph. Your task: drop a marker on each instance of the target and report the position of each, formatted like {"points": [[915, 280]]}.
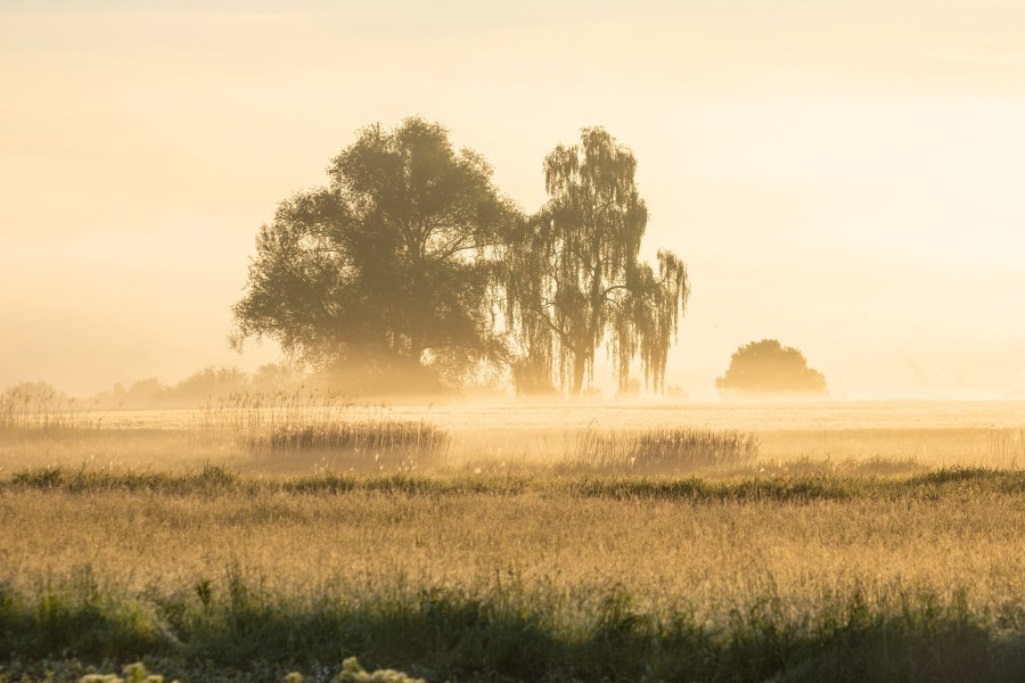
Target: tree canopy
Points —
{"points": [[575, 279], [389, 272], [767, 368], [395, 270]]}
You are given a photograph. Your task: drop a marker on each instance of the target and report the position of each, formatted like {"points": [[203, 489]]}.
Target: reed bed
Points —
{"points": [[386, 435], [665, 450], [356, 445], [303, 429], [22, 409], [307, 430], [327, 429], [254, 412]]}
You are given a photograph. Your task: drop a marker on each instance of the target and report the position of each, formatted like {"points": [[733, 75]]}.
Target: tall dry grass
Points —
{"points": [[983, 446], [299, 430], [336, 432], [662, 450], [533, 578], [307, 430], [310, 430], [21, 409]]}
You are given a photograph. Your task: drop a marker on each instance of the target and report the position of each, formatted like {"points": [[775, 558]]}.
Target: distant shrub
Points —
{"points": [[767, 368]]}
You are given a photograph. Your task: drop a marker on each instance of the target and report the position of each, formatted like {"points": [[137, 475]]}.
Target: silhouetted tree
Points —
{"points": [[37, 391], [388, 272], [574, 278], [768, 368], [276, 377], [210, 382]]}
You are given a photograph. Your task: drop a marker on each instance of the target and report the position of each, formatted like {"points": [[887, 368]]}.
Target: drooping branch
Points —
{"points": [[574, 274]]}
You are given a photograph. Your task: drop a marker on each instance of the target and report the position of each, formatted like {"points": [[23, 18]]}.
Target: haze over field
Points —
{"points": [[846, 177]]}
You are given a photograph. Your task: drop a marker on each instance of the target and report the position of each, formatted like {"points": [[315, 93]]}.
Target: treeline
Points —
{"points": [[210, 384]]}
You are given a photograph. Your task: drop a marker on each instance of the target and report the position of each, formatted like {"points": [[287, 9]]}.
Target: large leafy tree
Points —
{"points": [[767, 368], [574, 277], [387, 273]]}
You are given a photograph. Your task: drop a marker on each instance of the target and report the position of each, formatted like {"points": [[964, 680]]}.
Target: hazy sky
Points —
{"points": [[847, 176]]}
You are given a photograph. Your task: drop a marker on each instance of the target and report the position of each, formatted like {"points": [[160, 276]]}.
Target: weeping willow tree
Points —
{"points": [[575, 280]]}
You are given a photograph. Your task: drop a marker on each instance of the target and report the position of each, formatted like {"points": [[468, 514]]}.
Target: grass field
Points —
{"points": [[209, 554]]}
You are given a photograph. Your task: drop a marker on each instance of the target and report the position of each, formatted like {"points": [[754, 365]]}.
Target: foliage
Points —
{"points": [[768, 368], [133, 673], [210, 382], [781, 484], [352, 672], [200, 388], [508, 633], [574, 278], [31, 392], [386, 274]]}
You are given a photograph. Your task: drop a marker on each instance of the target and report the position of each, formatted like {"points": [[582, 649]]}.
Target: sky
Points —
{"points": [[846, 176]]}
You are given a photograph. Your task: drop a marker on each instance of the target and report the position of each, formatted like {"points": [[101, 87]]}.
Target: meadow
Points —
{"points": [[252, 540]]}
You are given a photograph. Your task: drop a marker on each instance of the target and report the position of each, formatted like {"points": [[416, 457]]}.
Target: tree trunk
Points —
{"points": [[579, 365], [419, 306], [416, 350]]}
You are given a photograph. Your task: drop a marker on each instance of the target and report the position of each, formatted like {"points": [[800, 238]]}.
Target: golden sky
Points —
{"points": [[847, 176]]}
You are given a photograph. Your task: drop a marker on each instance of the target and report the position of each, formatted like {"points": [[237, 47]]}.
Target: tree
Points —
{"points": [[207, 383], [387, 274], [574, 278], [767, 368]]}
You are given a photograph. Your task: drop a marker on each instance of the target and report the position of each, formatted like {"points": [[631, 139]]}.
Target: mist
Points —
{"points": [[844, 179]]}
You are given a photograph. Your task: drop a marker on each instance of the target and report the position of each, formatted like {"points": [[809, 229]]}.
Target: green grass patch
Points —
{"points": [[238, 631], [214, 480]]}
